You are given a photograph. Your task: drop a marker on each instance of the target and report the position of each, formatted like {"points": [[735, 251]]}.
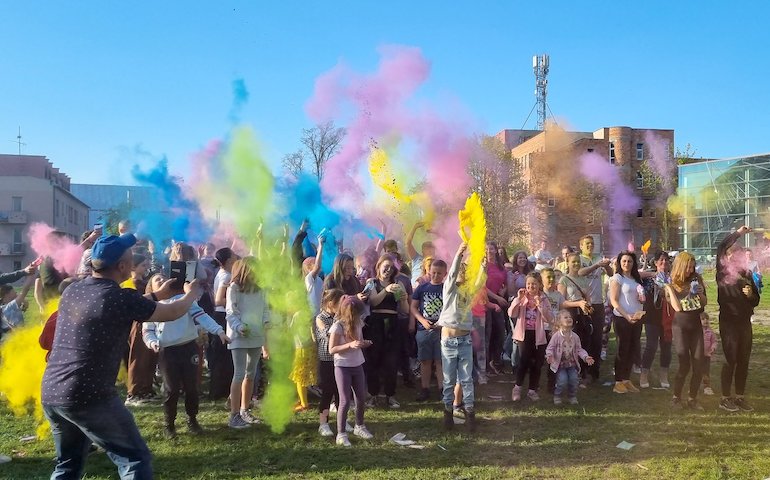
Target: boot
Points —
{"points": [[644, 378], [193, 426], [170, 431], [663, 375], [449, 421], [470, 420]]}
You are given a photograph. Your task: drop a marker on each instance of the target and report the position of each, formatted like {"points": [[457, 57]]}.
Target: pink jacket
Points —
{"points": [[553, 350], [709, 341], [544, 315]]}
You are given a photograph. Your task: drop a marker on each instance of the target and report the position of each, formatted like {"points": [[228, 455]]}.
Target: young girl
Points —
{"points": [[530, 310], [220, 361], [247, 318], [563, 356], [709, 347], [323, 323], [176, 343], [304, 366], [345, 344], [687, 296], [386, 298], [627, 296], [555, 299]]}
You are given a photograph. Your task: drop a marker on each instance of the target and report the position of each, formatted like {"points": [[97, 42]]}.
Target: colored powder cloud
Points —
{"points": [[22, 364], [661, 162], [619, 197], [64, 252], [473, 230], [240, 99]]}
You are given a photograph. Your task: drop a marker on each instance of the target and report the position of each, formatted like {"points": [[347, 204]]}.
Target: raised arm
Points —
{"points": [[410, 250]]}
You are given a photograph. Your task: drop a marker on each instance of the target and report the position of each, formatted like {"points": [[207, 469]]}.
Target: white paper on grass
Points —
{"points": [[624, 445], [400, 439]]}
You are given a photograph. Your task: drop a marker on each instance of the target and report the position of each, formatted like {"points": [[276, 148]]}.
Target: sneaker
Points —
{"points": [[249, 418], [363, 432], [630, 386], [393, 403], [333, 408], [573, 400], [644, 379], [169, 432], [741, 403], [516, 393], [533, 396], [371, 402], [471, 421], [708, 391], [459, 412], [557, 400], [194, 427], [636, 369], [449, 421], [676, 403], [603, 355], [342, 439], [237, 422], [325, 430], [483, 379], [423, 395], [620, 387], [664, 384], [135, 401], [693, 404], [728, 404]]}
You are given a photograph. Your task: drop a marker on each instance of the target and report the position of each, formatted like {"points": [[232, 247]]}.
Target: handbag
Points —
{"points": [[583, 320]]}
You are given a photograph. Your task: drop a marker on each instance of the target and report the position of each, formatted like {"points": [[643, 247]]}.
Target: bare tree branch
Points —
{"points": [[294, 163], [322, 142]]}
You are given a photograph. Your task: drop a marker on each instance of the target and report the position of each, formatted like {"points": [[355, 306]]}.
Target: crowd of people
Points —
{"points": [[385, 311]]}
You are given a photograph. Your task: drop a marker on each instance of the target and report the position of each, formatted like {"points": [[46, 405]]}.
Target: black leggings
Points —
{"points": [[327, 383], [179, 367], [382, 357], [220, 362], [688, 342], [628, 335], [531, 360], [737, 339]]}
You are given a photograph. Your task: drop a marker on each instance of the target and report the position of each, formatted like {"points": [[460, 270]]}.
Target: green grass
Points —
{"points": [[526, 440]]}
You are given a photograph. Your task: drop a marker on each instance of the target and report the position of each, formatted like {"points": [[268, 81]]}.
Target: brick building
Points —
{"points": [[556, 203], [33, 190]]}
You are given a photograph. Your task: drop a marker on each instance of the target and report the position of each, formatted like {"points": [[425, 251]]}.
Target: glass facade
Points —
{"points": [[717, 196]]}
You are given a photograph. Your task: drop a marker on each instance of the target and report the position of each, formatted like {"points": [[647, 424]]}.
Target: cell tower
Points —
{"points": [[540, 67]]}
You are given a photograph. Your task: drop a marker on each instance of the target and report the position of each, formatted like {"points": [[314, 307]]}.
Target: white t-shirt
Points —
{"points": [[544, 256], [629, 296], [416, 268], [314, 287], [222, 279], [348, 358], [594, 279]]}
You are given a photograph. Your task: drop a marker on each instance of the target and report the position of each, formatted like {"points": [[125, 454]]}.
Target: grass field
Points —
{"points": [[525, 440]]}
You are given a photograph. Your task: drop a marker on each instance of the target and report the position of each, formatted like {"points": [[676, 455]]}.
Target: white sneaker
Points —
{"points": [[342, 439], [533, 396], [361, 431], [348, 426], [636, 369], [393, 403], [708, 391], [249, 418], [325, 430], [333, 408]]}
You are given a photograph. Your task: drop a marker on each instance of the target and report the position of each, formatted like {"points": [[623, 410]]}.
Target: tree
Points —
{"points": [[294, 163], [322, 142]]}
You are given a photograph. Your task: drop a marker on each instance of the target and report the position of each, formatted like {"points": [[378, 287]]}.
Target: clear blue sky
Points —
{"points": [[90, 81]]}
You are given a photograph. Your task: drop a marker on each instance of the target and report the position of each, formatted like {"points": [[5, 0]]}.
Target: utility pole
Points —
{"points": [[19, 142]]}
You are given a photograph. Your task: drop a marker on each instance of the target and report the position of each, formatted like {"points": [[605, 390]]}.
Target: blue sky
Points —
{"points": [[91, 82]]}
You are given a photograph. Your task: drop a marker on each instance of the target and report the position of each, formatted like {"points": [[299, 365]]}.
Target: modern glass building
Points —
{"points": [[717, 196]]}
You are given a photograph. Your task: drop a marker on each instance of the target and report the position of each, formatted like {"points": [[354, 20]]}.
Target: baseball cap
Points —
{"points": [[108, 250]]}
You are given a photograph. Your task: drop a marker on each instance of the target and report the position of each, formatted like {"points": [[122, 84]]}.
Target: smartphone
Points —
{"points": [[99, 228], [369, 287], [191, 271], [37, 261]]}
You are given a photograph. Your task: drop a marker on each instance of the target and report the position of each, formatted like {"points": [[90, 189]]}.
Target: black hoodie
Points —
{"points": [[732, 301]]}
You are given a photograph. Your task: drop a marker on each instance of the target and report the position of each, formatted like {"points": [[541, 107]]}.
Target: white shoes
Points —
{"points": [[325, 430], [361, 431], [342, 440]]}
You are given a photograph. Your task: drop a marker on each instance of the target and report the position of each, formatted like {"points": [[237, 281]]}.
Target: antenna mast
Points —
{"points": [[540, 67]]}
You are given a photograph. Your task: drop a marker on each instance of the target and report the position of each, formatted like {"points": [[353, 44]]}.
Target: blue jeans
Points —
{"points": [[566, 377], [457, 363], [109, 425]]}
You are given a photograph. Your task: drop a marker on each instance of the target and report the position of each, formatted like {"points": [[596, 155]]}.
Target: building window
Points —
{"points": [[590, 150], [640, 151], [653, 213], [639, 181], [612, 153], [612, 216], [16, 204], [640, 213], [16, 265], [551, 202], [16, 248]]}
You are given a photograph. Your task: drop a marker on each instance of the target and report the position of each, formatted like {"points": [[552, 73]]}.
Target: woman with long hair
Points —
{"points": [[343, 276], [574, 288], [626, 296], [657, 321], [494, 331], [687, 296], [247, 315], [386, 299]]}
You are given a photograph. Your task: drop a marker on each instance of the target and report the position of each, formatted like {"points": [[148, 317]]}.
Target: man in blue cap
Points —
{"points": [[79, 396]]}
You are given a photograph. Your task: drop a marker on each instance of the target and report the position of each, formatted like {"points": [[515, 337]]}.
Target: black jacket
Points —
{"points": [[732, 301]]}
